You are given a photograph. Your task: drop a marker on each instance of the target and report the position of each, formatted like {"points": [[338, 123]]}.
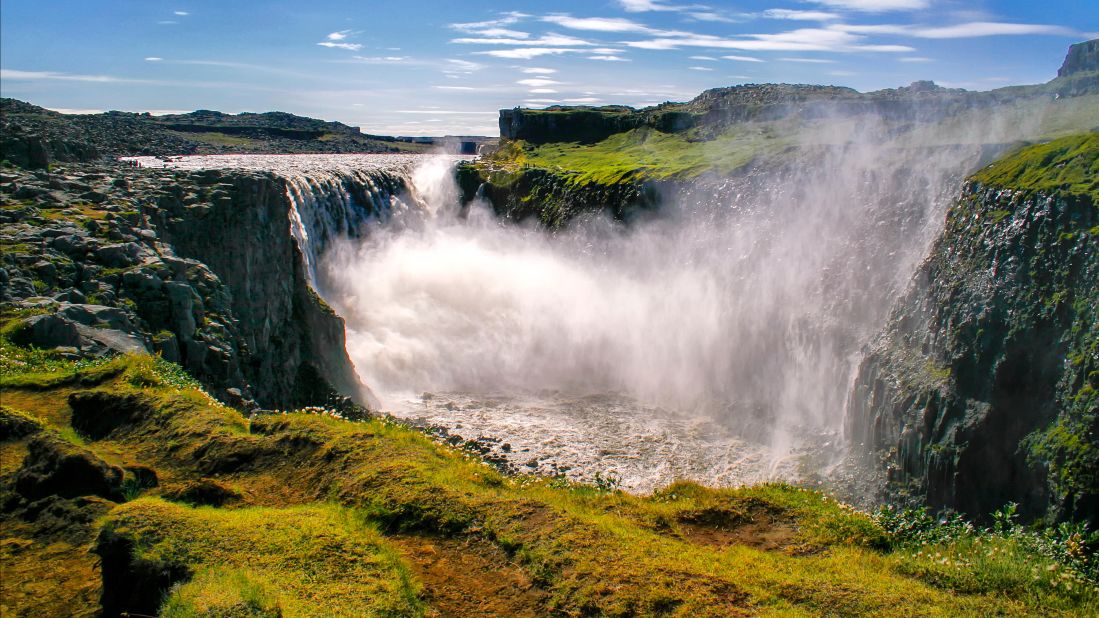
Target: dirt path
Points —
{"points": [[470, 578]]}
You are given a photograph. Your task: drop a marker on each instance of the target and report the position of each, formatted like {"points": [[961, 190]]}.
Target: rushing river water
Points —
{"points": [[714, 340]]}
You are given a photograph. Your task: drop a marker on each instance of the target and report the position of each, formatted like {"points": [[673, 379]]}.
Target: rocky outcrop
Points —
{"points": [[199, 267], [982, 390], [1081, 58], [551, 197]]}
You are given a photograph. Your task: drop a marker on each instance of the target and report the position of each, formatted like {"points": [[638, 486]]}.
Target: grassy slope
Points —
{"points": [[645, 153], [1066, 165], [326, 511]]}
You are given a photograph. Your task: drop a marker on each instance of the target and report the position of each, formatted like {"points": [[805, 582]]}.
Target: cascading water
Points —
{"points": [[713, 340]]}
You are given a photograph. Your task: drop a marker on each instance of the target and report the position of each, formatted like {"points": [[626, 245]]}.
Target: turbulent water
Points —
{"points": [[714, 340]]}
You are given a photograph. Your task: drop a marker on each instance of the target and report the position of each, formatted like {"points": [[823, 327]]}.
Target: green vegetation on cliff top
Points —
{"points": [[1065, 165], [307, 514], [648, 153]]}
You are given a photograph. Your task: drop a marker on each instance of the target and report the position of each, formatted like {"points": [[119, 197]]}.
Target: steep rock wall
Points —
{"points": [[240, 227], [981, 390]]}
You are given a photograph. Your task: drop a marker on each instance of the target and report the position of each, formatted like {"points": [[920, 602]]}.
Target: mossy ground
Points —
{"points": [[649, 154], [371, 518], [1068, 165]]}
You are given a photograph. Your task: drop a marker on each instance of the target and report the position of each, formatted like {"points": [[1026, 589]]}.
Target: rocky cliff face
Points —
{"points": [[983, 387], [1081, 58], [201, 267]]}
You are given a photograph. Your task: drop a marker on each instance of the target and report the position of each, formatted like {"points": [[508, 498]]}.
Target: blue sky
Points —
{"points": [[438, 67]]}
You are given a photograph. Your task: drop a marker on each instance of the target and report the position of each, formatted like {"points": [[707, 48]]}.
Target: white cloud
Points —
{"points": [[956, 31], [915, 59], [153, 59], [347, 46], [985, 28], [167, 22], [608, 58], [526, 53], [799, 15], [15, 74], [712, 16], [338, 36], [642, 6], [802, 39], [742, 58], [606, 50], [583, 100], [598, 24], [535, 82], [550, 39], [504, 33], [461, 67], [455, 88], [182, 13], [477, 26], [700, 68], [809, 60], [543, 91], [876, 6], [707, 58], [539, 71]]}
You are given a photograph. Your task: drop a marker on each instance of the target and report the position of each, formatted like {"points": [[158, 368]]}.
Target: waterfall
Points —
{"points": [[327, 205]]}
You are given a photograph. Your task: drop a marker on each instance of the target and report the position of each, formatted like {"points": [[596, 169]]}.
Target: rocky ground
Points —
{"points": [[31, 136], [91, 262]]}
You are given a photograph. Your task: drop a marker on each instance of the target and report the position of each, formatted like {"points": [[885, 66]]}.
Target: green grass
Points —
{"points": [[1066, 165], [300, 561], [323, 502], [644, 153]]}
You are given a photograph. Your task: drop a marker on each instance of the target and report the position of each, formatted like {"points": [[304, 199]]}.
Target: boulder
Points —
{"points": [[46, 331]]}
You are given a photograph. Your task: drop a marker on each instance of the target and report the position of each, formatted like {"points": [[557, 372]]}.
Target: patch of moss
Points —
{"points": [[320, 504], [297, 561], [1066, 165]]}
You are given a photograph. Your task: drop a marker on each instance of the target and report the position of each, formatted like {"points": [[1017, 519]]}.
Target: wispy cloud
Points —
{"points": [[802, 39], [642, 6], [799, 15], [809, 60], [347, 46], [706, 58], [153, 58], [526, 53], [700, 68], [742, 58], [608, 58], [182, 13], [876, 6], [506, 19], [455, 66], [915, 59], [598, 24], [538, 71], [547, 40], [15, 74], [338, 36], [957, 31], [535, 82]]}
